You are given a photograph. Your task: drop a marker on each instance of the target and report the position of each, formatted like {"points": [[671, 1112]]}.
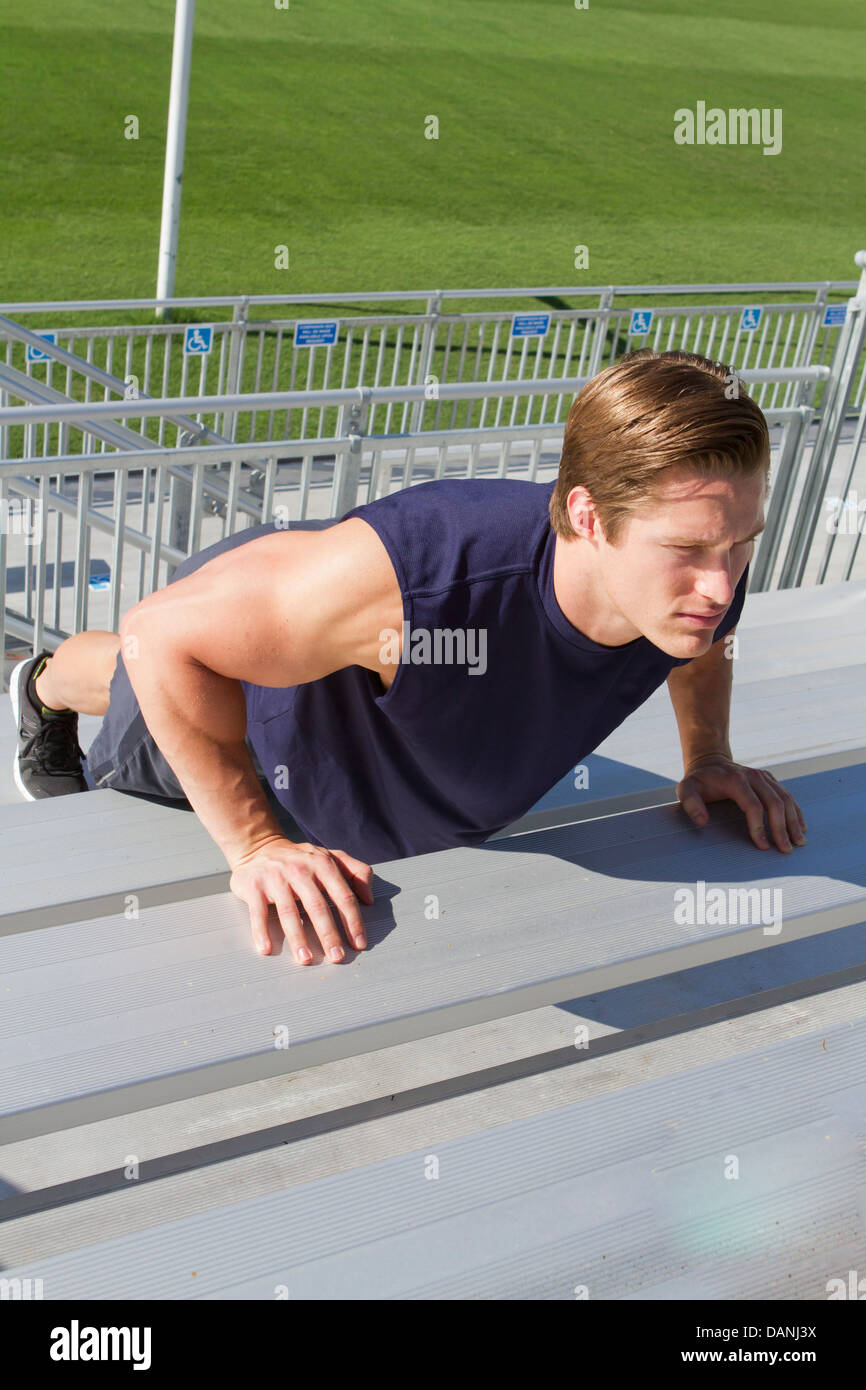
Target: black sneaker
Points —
{"points": [[48, 759]]}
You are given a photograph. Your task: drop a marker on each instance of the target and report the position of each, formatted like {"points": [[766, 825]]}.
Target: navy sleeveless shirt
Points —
{"points": [[496, 695]]}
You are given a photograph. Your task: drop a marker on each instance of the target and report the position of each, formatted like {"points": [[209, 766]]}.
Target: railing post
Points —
{"points": [[843, 371], [347, 467], [428, 349], [600, 337], [790, 454], [803, 392], [238, 331], [179, 511]]}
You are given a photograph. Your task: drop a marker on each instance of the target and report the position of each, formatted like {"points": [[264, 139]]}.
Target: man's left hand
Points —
{"points": [[717, 778]]}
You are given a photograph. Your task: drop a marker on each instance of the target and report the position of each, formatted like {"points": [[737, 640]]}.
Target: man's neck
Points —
{"points": [[582, 598]]}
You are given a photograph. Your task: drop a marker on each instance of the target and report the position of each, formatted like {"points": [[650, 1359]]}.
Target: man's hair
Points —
{"points": [[650, 413]]}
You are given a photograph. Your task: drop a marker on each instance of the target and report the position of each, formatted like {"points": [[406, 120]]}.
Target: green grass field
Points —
{"points": [[306, 128]]}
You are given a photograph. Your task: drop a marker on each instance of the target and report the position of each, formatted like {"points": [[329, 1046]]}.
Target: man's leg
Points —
{"points": [[47, 694], [79, 673]]}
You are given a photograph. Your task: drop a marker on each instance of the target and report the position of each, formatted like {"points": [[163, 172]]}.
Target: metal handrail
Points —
{"points": [[190, 469], [347, 396], [394, 296], [94, 373]]}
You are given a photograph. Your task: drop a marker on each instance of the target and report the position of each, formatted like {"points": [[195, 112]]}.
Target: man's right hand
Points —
{"points": [[279, 871]]}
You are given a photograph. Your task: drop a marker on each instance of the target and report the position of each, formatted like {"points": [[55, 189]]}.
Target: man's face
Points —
{"points": [[677, 561]]}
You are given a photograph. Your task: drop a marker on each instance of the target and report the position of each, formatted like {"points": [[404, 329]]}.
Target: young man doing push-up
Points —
{"points": [[538, 616]]}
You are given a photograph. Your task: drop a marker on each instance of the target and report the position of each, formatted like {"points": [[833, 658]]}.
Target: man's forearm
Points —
{"points": [[198, 720], [701, 696]]}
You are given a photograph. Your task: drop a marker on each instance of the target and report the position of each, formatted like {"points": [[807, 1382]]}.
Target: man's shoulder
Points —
{"points": [[503, 495], [459, 527]]}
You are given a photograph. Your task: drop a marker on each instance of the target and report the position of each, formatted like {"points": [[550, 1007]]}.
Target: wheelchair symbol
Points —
{"points": [[641, 322], [198, 340]]}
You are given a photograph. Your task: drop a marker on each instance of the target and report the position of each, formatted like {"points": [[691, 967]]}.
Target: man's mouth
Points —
{"points": [[703, 619]]}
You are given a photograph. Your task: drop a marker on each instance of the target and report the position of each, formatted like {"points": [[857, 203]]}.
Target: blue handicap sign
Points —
{"points": [[34, 354], [749, 319], [530, 325], [835, 314], [315, 332], [197, 340], [641, 322]]}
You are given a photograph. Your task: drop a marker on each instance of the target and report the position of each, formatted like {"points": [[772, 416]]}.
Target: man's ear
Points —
{"points": [[581, 513]]}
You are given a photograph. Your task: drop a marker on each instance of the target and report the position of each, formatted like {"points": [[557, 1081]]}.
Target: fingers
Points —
{"points": [[305, 877], [752, 806], [775, 807], [258, 907], [757, 793], [360, 874], [345, 902], [290, 921], [304, 885], [785, 817], [258, 900], [692, 804], [325, 871]]}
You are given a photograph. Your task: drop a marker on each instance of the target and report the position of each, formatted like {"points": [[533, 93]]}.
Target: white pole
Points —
{"points": [[180, 64]]}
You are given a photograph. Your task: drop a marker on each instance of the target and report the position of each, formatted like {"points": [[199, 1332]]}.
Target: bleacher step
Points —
{"points": [[623, 1196], [110, 1015]]}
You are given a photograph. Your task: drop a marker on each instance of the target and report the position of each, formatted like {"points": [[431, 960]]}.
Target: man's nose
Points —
{"points": [[716, 586]]}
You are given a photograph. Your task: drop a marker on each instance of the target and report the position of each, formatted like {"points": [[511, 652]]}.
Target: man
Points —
{"points": [[417, 674]]}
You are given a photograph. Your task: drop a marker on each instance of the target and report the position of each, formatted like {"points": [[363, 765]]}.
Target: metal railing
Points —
{"points": [[147, 508], [249, 355], [845, 393]]}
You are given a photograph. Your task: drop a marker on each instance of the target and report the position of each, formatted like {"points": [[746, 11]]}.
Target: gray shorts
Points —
{"points": [[124, 756]]}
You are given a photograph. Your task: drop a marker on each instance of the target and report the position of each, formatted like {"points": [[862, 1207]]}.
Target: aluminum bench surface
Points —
{"points": [[629, 1195], [70, 857], [111, 1015], [790, 725]]}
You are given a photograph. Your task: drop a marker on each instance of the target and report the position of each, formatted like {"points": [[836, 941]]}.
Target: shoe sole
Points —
{"points": [[15, 685]]}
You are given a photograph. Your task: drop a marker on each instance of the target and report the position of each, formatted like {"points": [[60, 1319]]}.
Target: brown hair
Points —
{"points": [[649, 413]]}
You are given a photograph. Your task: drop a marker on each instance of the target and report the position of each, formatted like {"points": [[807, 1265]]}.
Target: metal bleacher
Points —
{"points": [[551, 1089]]}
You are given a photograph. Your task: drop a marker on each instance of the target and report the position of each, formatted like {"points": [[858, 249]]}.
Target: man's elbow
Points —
{"points": [[143, 625]]}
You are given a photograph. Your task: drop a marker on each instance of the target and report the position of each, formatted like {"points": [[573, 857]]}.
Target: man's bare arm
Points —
{"points": [[284, 609], [198, 720], [700, 692]]}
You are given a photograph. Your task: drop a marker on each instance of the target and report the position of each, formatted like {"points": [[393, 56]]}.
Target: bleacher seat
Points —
{"points": [[146, 1030]]}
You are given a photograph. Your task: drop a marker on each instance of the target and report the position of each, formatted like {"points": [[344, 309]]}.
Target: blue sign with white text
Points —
{"points": [[641, 322], [316, 334], [835, 314], [197, 341], [530, 325], [34, 354]]}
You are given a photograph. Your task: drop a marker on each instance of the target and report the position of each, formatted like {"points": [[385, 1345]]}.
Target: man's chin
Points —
{"points": [[685, 645]]}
